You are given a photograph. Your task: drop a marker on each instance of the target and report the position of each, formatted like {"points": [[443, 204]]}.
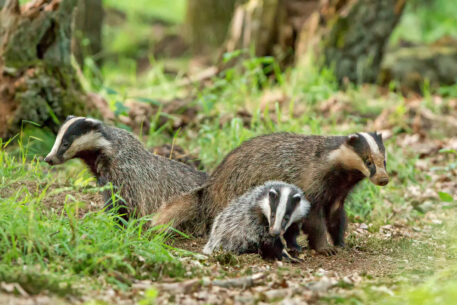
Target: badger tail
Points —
{"points": [[184, 213]]}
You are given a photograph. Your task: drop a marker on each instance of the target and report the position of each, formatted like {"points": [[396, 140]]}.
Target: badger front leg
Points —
{"points": [[291, 239], [271, 248], [118, 208], [337, 222], [314, 226]]}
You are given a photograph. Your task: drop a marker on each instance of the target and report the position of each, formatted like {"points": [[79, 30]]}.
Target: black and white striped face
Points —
{"points": [[77, 135], [366, 153], [284, 206]]}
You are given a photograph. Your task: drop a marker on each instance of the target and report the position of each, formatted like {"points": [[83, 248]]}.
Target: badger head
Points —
{"points": [[77, 136], [364, 152], [282, 206]]}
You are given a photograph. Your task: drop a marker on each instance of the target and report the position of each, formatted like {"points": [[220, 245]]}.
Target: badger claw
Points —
{"points": [[328, 251], [292, 260]]}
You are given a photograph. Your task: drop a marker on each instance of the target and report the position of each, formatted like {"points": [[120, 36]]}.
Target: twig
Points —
{"points": [[198, 77], [286, 254], [240, 282]]}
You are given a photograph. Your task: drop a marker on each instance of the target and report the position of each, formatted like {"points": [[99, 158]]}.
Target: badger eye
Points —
{"points": [[368, 163], [385, 163]]}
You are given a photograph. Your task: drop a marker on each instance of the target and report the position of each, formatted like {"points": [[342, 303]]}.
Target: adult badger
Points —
{"points": [[143, 180], [326, 168]]}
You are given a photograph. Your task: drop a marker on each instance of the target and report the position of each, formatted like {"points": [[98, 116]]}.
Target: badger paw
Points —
{"points": [[295, 251], [328, 251]]}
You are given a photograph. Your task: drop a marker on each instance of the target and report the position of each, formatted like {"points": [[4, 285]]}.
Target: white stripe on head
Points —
{"points": [[281, 209], [60, 135], [371, 142], [89, 141]]}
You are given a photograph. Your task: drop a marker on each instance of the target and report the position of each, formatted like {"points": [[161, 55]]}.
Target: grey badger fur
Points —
{"points": [[144, 180], [326, 168], [254, 221]]}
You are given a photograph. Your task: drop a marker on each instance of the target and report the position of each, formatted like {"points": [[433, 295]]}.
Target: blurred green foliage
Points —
{"points": [[425, 21]]}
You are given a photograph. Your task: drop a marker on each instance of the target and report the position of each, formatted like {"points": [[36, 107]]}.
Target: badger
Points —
{"points": [[326, 168], [255, 221], [143, 180]]}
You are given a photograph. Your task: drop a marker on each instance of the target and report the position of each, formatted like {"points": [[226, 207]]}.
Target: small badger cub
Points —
{"points": [[256, 221]]}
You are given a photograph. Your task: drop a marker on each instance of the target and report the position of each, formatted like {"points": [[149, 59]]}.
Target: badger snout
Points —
{"points": [[48, 160], [51, 160], [275, 232], [381, 178], [383, 181]]}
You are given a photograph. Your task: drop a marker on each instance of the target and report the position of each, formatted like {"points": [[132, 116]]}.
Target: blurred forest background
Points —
{"points": [[194, 79], [118, 58]]}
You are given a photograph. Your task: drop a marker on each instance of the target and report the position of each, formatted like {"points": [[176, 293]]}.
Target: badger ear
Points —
{"points": [[273, 194], [95, 124], [352, 139], [69, 117], [296, 198]]}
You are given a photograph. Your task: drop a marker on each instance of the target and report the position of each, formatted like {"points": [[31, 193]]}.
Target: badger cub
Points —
{"points": [[255, 221], [144, 181]]}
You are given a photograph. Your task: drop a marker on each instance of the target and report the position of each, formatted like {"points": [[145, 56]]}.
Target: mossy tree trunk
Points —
{"points": [[356, 36], [37, 81], [207, 22], [348, 35]]}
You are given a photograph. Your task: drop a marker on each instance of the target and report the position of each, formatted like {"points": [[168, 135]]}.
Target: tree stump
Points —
{"points": [[37, 80]]}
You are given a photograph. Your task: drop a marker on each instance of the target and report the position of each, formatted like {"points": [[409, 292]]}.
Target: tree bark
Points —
{"points": [[87, 37], [37, 80], [356, 37], [207, 22], [254, 25]]}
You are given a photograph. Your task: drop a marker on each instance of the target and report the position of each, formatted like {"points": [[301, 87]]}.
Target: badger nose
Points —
{"points": [[274, 232], [48, 160], [383, 181]]}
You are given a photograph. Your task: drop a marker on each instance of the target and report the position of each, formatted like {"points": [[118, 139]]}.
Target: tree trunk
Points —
{"points": [[356, 37], [350, 34], [207, 22], [254, 25], [87, 37], [37, 81]]}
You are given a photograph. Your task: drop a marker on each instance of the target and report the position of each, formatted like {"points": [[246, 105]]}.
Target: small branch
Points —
{"points": [[240, 282], [198, 77]]}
